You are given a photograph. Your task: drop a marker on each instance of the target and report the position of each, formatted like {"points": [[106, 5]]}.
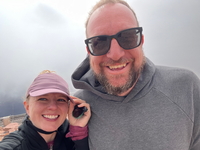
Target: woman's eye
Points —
{"points": [[62, 100], [42, 99]]}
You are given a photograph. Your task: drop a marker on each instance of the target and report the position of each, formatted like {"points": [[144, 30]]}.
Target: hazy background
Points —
{"points": [[48, 34]]}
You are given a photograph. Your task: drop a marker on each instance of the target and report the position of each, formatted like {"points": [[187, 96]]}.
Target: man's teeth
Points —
{"points": [[117, 67], [51, 116]]}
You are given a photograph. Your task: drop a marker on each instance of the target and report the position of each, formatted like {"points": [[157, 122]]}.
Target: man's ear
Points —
{"points": [[87, 50], [26, 106], [142, 39]]}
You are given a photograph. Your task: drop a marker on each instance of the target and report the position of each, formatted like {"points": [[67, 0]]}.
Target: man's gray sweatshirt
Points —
{"points": [[162, 112]]}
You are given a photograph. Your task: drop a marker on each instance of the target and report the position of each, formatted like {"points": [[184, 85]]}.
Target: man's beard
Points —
{"points": [[117, 90]]}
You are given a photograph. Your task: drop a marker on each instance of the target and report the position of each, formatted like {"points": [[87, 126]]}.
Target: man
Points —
{"points": [[135, 104]]}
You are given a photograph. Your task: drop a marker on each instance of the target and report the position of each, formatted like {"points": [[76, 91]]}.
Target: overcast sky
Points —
{"points": [[48, 34]]}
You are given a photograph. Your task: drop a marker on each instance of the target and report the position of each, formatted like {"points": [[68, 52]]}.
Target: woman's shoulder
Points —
{"points": [[11, 141]]}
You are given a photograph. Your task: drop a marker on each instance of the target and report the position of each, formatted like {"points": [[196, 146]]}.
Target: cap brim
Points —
{"points": [[47, 91]]}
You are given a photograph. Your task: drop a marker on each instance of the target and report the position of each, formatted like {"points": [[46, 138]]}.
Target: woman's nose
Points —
{"points": [[52, 105]]}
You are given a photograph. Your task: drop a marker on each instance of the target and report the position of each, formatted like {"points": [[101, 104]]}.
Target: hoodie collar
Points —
{"points": [[83, 78]]}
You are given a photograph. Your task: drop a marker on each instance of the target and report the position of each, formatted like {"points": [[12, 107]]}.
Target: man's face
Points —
{"points": [[118, 69]]}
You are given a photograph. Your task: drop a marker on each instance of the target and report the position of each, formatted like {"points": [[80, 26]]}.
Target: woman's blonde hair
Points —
{"points": [[47, 71]]}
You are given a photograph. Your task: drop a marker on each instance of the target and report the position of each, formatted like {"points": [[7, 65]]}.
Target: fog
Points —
{"points": [[49, 34]]}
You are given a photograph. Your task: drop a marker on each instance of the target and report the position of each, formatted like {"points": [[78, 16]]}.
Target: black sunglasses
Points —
{"points": [[127, 39]]}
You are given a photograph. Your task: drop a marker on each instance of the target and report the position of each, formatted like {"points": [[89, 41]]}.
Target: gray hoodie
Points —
{"points": [[162, 112]]}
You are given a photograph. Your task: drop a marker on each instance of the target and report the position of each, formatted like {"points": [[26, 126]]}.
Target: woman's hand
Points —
{"points": [[83, 120]]}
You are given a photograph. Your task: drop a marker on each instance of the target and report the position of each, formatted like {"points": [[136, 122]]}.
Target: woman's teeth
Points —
{"points": [[50, 116]]}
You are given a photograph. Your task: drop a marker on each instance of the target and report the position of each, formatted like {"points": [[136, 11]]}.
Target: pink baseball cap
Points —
{"points": [[48, 83]]}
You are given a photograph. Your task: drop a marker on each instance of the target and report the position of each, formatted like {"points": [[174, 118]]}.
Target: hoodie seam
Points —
{"points": [[175, 104]]}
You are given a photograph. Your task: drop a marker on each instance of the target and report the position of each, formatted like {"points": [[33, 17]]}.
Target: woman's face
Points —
{"points": [[47, 112]]}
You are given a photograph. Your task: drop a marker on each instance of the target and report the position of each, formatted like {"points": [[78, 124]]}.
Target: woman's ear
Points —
{"points": [[26, 106]]}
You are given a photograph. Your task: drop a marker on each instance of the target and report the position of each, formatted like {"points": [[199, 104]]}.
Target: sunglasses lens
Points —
{"points": [[129, 39], [99, 45]]}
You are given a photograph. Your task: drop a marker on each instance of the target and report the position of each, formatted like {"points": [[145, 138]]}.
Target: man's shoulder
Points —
{"points": [[175, 72], [175, 80]]}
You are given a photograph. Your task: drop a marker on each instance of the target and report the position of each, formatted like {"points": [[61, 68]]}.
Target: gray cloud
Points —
{"points": [[171, 30], [41, 37], [38, 39]]}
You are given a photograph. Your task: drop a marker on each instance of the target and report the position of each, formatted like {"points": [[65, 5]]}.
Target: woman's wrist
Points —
{"points": [[77, 133]]}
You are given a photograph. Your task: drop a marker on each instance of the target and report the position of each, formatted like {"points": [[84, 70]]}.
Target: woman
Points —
{"points": [[46, 128]]}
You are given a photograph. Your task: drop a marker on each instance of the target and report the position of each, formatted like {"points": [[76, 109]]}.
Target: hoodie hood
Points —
{"points": [[83, 78]]}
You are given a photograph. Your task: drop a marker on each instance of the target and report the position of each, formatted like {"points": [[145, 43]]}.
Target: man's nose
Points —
{"points": [[116, 51]]}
